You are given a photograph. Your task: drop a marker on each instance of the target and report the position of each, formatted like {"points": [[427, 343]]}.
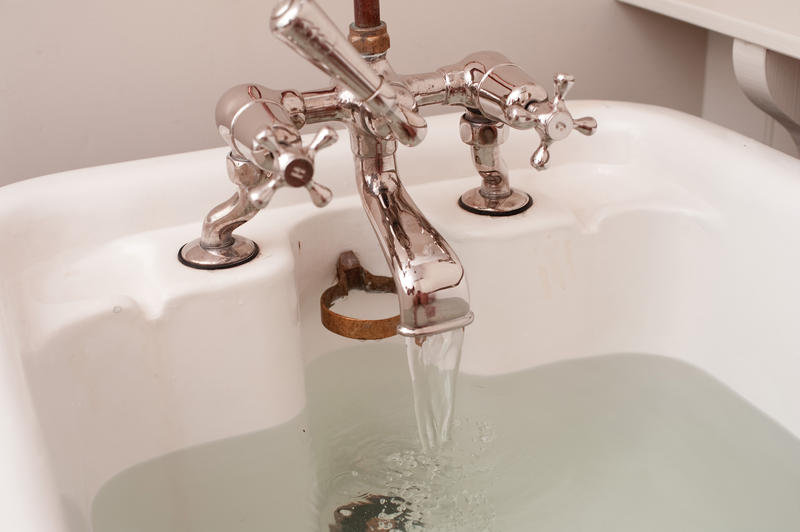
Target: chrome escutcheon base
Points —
{"points": [[474, 202], [240, 251]]}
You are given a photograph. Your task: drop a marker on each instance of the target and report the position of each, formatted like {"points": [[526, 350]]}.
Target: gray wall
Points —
{"points": [[87, 82]]}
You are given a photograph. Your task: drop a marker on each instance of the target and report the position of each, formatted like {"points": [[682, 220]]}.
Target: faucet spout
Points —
{"points": [[431, 287]]}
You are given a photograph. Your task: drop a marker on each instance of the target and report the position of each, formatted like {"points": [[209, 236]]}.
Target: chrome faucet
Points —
{"points": [[380, 109]]}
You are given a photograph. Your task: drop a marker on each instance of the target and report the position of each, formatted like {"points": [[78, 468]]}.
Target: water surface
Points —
{"points": [[610, 444]]}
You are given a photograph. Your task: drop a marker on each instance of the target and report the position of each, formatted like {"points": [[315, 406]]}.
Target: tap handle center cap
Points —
{"points": [[560, 125], [298, 172]]}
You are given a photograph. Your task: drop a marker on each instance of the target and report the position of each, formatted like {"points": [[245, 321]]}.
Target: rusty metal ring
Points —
{"points": [[351, 275]]}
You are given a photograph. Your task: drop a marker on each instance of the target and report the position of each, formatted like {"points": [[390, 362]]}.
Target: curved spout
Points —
{"points": [[431, 286]]}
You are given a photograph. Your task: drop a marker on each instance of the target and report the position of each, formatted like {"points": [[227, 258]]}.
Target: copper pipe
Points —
{"points": [[368, 34], [367, 13]]}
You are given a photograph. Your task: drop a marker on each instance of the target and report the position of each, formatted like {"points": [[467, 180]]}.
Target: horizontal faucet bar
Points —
{"points": [[486, 82], [429, 88], [326, 105]]}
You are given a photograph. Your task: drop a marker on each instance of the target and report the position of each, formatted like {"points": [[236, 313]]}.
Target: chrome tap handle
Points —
{"points": [[294, 166], [260, 131], [562, 84], [553, 120], [305, 27], [585, 126]]}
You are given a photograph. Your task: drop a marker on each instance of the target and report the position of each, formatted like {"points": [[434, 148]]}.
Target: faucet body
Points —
{"points": [[429, 278], [379, 108]]}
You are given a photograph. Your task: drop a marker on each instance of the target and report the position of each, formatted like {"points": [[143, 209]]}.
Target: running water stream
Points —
{"points": [[433, 363]]}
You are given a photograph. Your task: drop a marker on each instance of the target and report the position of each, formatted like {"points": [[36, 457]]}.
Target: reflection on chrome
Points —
{"points": [[380, 109]]}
